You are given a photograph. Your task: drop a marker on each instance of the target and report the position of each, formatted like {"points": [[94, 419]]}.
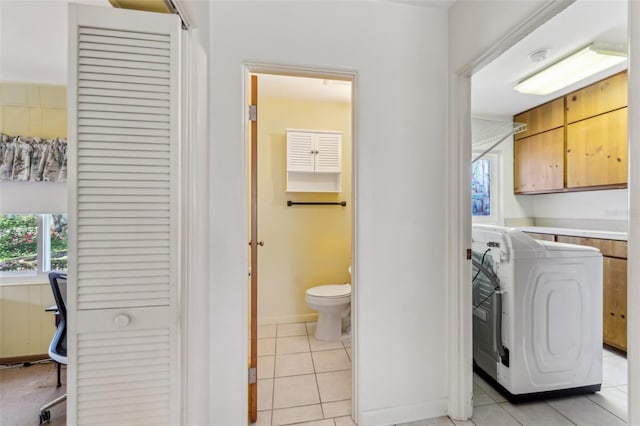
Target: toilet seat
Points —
{"points": [[330, 291]]}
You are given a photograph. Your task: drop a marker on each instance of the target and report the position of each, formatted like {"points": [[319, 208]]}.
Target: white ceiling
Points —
{"points": [[319, 89], [581, 23]]}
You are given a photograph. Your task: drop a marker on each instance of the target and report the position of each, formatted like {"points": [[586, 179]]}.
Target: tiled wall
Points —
{"points": [[33, 110]]}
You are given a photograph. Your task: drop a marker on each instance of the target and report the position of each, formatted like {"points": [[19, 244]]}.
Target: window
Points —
{"points": [[31, 245], [481, 188], [484, 189]]}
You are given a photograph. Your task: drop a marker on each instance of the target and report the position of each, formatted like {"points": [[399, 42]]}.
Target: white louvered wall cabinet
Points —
{"points": [[124, 242], [314, 161]]}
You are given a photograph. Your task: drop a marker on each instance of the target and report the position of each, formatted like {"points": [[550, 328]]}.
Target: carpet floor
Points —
{"points": [[24, 389]]}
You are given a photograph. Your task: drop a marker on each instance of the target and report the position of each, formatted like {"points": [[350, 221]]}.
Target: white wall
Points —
{"points": [[33, 197], [33, 41], [514, 207], [604, 210], [401, 104]]}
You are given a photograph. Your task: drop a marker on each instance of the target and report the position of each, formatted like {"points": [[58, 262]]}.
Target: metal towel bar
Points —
{"points": [[316, 203]]}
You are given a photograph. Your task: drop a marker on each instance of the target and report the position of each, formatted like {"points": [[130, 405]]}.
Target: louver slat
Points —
{"points": [[124, 217], [132, 37], [123, 71], [161, 51], [120, 41], [118, 56], [133, 65]]}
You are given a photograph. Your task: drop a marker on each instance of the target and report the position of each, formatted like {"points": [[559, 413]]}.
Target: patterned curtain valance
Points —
{"points": [[33, 159]]}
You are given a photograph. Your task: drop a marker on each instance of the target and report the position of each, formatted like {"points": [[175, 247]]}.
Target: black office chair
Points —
{"points": [[58, 346]]}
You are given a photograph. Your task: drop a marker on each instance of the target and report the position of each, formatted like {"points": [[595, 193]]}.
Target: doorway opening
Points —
{"points": [[590, 217], [301, 227]]}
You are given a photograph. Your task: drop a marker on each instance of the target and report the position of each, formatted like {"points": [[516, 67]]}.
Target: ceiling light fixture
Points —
{"points": [[575, 67]]}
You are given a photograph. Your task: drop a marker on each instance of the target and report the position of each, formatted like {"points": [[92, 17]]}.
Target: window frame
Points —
{"points": [[43, 255]]}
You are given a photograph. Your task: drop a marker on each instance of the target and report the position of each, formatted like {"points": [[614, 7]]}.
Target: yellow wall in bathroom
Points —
{"points": [[33, 110], [304, 246]]}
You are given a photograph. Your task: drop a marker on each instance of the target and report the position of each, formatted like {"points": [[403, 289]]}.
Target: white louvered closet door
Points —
{"points": [[123, 206]]}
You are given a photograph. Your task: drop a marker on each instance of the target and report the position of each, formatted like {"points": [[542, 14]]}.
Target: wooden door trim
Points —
{"points": [[253, 362]]}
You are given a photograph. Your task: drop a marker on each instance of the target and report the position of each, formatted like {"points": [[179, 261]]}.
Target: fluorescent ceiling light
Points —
{"points": [[573, 68]]}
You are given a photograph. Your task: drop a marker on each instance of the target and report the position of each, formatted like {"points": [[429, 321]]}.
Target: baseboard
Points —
{"points": [[404, 414], [23, 358], [284, 319]]}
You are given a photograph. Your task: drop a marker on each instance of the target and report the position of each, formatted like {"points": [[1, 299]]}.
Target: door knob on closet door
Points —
{"points": [[122, 320], [260, 243]]}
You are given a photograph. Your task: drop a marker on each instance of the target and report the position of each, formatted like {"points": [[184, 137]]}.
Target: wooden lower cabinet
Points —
{"points": [[544, 237], [614, 287], [614, 312]]}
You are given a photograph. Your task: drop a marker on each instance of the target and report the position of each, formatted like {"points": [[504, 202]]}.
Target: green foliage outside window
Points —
{"points": [[59, 224], [18, 242]]}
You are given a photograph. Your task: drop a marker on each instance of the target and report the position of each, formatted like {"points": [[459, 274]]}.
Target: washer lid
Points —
{"points": [[330, 290], [555, 249]]}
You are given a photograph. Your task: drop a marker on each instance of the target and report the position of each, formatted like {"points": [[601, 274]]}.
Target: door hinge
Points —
{"points": [[253, 112], [468, 254], [253, 376]]}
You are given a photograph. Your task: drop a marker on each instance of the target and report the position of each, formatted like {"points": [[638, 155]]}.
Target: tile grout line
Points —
{"points": [[273, 384], [508, 413], [315, 376], [559, 412], [607, 410]]}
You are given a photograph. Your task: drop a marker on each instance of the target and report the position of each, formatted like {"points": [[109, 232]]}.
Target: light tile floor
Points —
{"points": [[302, 380]]}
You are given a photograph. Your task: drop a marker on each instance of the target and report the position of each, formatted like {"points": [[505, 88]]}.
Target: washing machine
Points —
{"points": [[537, 314]]}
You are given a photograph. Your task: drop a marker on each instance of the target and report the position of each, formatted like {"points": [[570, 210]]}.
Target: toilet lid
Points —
{"points": [[330, 290]]}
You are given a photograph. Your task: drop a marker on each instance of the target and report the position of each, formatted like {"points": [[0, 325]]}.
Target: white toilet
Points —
{"points": [[333, 303]]}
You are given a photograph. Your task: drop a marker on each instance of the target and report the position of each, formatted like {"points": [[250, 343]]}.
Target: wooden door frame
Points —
{"points": [[253, 242], [297, 71]]}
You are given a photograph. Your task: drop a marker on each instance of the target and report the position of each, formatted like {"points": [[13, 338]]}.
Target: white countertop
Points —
{"points": [[605, 235]]}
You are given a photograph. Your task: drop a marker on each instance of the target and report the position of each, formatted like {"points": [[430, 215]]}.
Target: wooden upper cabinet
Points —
{"points": [[597, 150], [539, 162], [604, 96], [542, 118]]}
